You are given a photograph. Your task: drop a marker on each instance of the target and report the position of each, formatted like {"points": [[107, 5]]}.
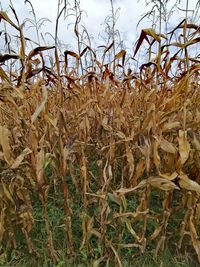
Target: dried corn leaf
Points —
{"points": [[160, 246], [142, 184], [146, 150], [2, 222], [156, 157], [113, 198], [97, 262], [188, 184], [143, 36], [195, 141], [4, 142], [156, 232], [122, 54], [130, 159], [116, 255], [167, 146], [52, 121], [194, 237], [139, 170], [37, 50], [4, 16], [197, 212], [41, 107], [171, 125], [7, 193], [162, 183], [184, 146], [121, 135], [40, 162], [3, 75], [168, 176], [20, 158], [130, 229]]}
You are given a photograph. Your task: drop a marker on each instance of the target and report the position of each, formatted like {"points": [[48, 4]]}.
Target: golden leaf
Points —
{"points": [[162, 183], [2, 222], [168, 176], [139, 170], [194, 237], [130, 159], [3, 75], [4, 141], [184, 146], [40, 161], [4, 16], [171, 125], [120, 54], [20, 158], [41, 107], [167, 146], [128, 190], [188, 184]]}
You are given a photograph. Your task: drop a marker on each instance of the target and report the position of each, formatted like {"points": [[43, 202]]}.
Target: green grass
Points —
{"points": [[83, 258], [88, 255], [20, 256]]}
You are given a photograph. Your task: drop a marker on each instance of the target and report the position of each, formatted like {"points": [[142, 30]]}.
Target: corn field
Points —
{"points": [[117, 152]]}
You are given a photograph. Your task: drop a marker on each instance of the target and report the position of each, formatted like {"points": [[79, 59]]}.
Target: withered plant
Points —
{"points": [[119, 159]]}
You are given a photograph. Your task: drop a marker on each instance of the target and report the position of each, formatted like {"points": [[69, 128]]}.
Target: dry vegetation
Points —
{"points": [[116, 159]]}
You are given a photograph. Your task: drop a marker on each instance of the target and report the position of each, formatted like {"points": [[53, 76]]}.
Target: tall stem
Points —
{"points": [[113, 32]]}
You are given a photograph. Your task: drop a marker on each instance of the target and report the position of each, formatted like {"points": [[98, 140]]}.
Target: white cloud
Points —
{"points": [[97, 10]]}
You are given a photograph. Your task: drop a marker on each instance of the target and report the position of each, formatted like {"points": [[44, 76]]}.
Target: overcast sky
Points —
{"points": [[96, 11]]}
